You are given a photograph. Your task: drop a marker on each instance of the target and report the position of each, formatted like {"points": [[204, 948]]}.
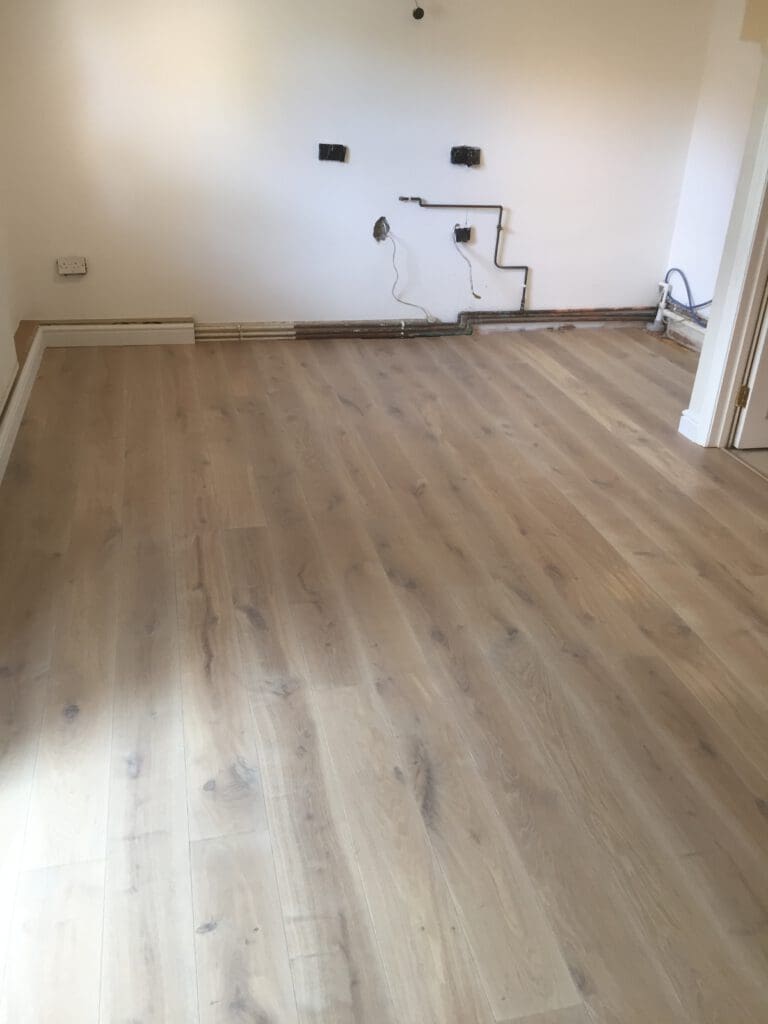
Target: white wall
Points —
{"points": [[717, 148], [173, 142]]}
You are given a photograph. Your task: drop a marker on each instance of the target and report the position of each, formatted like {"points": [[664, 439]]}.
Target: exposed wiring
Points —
{"points": [[466, 259], [690, 307], [395, 296], [499, 210]]}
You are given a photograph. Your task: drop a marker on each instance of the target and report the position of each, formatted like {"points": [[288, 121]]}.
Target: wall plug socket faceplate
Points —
{"points": [[72, 266]]}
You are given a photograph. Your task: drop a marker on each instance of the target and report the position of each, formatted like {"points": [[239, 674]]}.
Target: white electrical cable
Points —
{"points": [[395, 296], [466, 259]]}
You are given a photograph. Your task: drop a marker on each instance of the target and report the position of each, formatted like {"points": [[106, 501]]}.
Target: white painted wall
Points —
{"points": [[716, 152], [173, 142]]}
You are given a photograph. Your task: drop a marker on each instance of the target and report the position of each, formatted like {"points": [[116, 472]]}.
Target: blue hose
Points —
{"points": [[690, 307]]}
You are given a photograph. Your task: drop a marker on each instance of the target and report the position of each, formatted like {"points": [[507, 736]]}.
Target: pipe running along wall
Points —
{"points": [[373, 329], [524, 270]]}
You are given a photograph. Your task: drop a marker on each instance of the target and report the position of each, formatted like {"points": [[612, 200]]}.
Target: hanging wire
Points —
{"points": [[395, 296], [466, 259]]}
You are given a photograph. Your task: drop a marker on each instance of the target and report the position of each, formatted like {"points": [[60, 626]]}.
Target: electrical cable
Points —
{"points": [[395, 296], [466, 259]]}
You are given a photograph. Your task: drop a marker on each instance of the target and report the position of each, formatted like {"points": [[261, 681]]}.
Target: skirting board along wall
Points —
{"points": [[691, 428], [78, 336], [81, 335], [684, 331], [14, 411]]}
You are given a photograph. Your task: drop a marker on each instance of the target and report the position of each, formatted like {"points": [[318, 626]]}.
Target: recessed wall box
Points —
{"points": [[332, 151], [466, 156]]}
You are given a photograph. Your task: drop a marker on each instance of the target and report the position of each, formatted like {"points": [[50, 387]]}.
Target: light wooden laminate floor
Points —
{"points": [[381, 683], [757, 459]]}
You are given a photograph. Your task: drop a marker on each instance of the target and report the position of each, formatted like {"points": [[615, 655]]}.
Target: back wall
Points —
{"points": [[174, 144]]}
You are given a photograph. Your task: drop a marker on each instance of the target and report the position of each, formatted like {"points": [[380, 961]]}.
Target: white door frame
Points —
{"points": [[711, 417]]}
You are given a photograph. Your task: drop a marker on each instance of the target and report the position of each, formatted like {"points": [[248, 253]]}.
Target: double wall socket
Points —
{"points": [[72, 266]]}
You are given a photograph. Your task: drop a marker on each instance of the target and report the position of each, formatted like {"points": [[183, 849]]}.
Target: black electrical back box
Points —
{"points": [[466, 156], [462, 234], [331, 151]]}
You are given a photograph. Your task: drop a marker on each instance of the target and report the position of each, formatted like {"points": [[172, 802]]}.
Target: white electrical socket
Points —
{"points": [[72, 266]]}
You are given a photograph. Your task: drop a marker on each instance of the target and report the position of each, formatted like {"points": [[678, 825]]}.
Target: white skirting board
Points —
{"points": [[77, 336], [691, 429], [684, 330], [17, 403]]}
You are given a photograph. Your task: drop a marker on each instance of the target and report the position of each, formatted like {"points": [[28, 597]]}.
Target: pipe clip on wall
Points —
{"points": [[524, 270]]}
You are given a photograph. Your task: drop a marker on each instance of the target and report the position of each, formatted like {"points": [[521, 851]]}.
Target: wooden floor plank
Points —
{"points": [[223, 779], [337, 969], [148, 966], [190, 476], [223, 783], [574, 1015], [53, 972], [431, 972], [243, 969], [235, 491], [147, 792], [42, 482], [69, 802]]}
